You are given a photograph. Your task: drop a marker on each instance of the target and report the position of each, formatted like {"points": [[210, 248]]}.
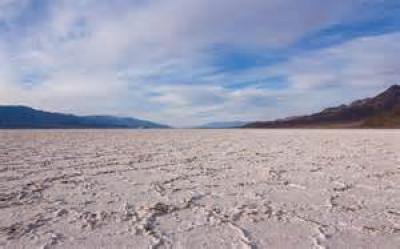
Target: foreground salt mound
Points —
{"points": [[200, 189]]}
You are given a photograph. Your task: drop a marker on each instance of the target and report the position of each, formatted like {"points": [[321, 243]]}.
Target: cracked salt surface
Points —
{"points": [[200, 189]]}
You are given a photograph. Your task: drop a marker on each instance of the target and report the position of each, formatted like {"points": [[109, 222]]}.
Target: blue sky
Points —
{"points": [[188, 62]]}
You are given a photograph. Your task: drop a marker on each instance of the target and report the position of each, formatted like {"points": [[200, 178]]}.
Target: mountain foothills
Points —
{"points": [[19, 117], [382, 111]]}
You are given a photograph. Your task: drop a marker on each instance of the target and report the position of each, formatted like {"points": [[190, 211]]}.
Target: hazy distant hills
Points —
{"points": [[382, 111], [18, 117], [222, 125]]}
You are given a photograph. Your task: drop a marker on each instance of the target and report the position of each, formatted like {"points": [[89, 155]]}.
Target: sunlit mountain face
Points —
{"points": [[191, 62]]}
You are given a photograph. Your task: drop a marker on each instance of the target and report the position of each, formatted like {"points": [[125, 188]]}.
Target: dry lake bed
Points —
{"points": [[200, 189]]}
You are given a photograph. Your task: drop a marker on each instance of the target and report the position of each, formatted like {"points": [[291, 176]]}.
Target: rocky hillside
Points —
{"points": [[382, 111]]}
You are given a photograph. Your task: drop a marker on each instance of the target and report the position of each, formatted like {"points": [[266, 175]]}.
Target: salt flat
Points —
{"points": [[200, 189]]}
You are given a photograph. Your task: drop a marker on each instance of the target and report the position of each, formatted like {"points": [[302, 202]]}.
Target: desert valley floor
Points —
{"points": [[200, 189]]}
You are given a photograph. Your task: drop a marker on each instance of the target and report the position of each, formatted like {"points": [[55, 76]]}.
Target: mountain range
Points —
{"points": [[22, 117], [381, 111]]}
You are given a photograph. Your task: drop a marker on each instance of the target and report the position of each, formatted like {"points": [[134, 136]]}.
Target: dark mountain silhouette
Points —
{"points": [[19, 117], [382, 111]]}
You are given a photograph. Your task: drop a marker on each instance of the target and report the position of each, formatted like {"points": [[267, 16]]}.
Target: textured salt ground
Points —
{"points": [[200, 189]]}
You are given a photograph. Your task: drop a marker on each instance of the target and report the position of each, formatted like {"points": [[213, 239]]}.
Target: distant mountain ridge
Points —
{"points": [[222, 125], [381, 111], [23, 117]]}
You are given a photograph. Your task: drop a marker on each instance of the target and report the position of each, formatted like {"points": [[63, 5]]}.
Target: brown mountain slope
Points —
{"points": [[382, 111], [384, 120]]}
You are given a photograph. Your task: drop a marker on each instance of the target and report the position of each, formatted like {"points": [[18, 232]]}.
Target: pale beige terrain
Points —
{"points": [[200, 189]]}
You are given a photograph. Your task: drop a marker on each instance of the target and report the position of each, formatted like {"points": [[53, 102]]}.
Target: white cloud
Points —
{"points": [[363, 62], [355, 69]]}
